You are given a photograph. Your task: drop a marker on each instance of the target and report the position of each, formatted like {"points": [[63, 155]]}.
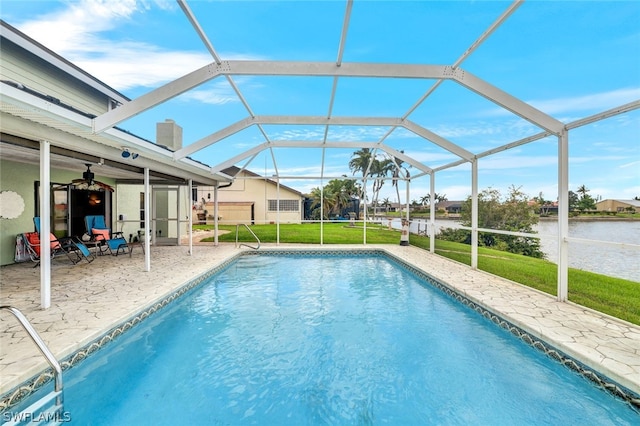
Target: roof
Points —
{"points": [[20, 142], [634, 203], [235, 171]]}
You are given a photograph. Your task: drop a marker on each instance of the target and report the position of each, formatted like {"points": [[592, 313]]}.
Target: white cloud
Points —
{"points": [[632, 164], [574, 104], [122, 64], [74, 29], [595, 101], [517, 162], [219, 94]]}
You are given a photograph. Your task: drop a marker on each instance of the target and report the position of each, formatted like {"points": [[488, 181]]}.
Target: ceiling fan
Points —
{"points": [[88, 183]]}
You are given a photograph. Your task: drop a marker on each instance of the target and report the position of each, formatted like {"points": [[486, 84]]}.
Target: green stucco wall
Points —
{"points": [[20, 178]]}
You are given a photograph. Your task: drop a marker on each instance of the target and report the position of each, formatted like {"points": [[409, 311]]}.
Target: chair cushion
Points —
{"points": [[101, 234], [34, 241], [55, 244]]}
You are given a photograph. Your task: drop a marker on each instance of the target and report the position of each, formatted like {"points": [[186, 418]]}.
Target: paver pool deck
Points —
{"points": [[89, 299]]}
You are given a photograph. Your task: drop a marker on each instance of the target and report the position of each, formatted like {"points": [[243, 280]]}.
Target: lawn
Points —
{"points": [[614, 296]]}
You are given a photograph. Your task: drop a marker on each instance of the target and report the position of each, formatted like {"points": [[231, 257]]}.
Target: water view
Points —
{"points": [[614, 261]]}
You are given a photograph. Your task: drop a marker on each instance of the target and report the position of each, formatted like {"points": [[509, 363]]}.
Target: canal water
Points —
{"points": [[614, 261]]}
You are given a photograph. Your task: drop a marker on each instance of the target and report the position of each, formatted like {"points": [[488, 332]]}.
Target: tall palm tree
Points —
{"points": [[379, 170], [425, 200], [396, 174], [360, 163], [582, 190], [386, 203]]}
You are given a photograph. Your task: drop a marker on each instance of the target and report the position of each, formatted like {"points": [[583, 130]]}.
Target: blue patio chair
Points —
{"points": [[114, 242], [59, 246]]}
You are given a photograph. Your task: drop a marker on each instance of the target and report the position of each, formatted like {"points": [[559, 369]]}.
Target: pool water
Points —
{"points": [[278, 340]]}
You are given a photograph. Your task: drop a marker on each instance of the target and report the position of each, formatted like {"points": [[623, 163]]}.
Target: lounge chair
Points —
{"points": [[114, 242], [81, 250], [59, 246], [31, 241]]}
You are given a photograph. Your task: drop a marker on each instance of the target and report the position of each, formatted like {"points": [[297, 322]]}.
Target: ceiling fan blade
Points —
{"points": [[103, 186]]}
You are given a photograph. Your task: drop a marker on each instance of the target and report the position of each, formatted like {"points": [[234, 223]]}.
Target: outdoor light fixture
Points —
{"points": [[128, 154]]}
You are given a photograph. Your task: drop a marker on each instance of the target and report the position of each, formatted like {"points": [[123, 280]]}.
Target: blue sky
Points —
{"points": [[568, 59]]}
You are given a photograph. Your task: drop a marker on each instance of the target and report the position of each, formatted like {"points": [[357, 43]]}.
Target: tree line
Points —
{"points": [[515, 212]]}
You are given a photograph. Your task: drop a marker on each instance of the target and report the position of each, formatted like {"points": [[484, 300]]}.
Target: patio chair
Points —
{"points": [[67, 246], [81, 250], [114, 242], [32, 244]]}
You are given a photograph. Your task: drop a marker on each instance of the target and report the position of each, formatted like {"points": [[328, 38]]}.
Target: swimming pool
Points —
{"points": [[326, 339]]}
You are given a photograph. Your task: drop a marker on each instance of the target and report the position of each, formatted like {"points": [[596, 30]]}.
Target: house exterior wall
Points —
{"points": [[128, 204], [614, 206], [237, 212], [255, 191]]}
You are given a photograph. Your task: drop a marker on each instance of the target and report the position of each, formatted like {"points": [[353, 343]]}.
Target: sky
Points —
{"points": [[569, 59]]}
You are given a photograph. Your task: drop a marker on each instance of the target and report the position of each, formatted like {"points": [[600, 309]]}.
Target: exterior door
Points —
{"points": [[165, 214]]}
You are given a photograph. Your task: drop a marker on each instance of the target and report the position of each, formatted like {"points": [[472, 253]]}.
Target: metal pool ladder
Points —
{"points": [[252, 233], [39, 409]]}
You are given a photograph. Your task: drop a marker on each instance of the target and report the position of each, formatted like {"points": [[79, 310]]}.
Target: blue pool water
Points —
{"points": [[299, 340]]}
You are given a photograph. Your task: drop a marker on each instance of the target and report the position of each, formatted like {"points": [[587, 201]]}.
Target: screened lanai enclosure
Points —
{"points": [[450, 92]]}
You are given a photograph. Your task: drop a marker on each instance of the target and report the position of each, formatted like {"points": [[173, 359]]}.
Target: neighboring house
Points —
{"points": [[618, 206], [450, 207], [251, 199]]}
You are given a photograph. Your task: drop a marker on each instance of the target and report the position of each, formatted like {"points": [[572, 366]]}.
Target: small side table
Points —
{"points": [[135, 244], [97, 245]]}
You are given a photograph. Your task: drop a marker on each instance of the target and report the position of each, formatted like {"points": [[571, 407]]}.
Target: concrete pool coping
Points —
{"points": [[89, 300]]}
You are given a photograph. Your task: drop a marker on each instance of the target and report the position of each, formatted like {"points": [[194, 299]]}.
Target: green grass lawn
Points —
{"points": [[614, 296]]}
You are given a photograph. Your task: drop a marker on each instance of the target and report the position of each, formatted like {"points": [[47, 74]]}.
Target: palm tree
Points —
{"points": [[328, 201], [360, 163], [386, 204], [440, 197], [379, 170], [425, 200], [396, 174], [582, 190], [341, 196]]}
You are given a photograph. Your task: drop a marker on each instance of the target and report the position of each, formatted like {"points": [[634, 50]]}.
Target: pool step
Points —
{"points": [[45, 411]]}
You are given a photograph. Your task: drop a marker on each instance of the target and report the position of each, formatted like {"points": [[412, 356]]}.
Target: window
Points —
{"points": [[285, 205]]}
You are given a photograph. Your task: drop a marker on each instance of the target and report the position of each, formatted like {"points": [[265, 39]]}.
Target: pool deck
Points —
{"points": [[89, 299]]}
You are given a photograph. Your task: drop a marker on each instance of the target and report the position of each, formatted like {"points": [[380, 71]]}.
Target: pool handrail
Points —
{"points": [[35, 337], [252, 233]]}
